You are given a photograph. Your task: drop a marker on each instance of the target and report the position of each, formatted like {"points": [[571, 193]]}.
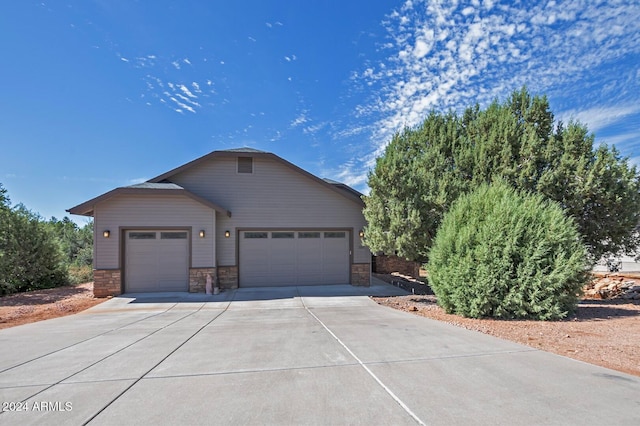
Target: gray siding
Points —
{"points": [[273, 196], [148, 211]]}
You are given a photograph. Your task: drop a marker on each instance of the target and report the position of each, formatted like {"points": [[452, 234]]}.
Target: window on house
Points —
{"points": [[245, 164], [142, 235], [308, 235], [334, 234], [256, 235], [173, 235], [282, 235]]}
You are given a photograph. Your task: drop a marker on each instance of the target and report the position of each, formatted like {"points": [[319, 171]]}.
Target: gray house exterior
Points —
{"points": [[247, 218]]}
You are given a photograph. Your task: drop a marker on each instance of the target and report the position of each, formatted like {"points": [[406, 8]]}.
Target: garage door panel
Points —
{"points": [[335, 243], [156, 261], [281, 258], [282, 254], [310, 279]]}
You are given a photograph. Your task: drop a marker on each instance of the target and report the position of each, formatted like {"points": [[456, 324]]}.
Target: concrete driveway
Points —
{"points": [[307, 355]]}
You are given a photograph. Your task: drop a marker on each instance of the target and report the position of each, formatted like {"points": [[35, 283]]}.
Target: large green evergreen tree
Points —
{"points": [[31, 255], [424, 169], [76, 242], [35, 253]]}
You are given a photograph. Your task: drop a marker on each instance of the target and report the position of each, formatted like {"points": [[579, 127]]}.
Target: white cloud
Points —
{"points": [[179, 93], [450, 55], [186, 61], [421, 49], [186, 91], [182, 105], [277, 135], [312, 130], [187, 100], [176, 64], [135, 181], [349, 173], [351, 131], [601, 117], [621, 139], [300, 119]]}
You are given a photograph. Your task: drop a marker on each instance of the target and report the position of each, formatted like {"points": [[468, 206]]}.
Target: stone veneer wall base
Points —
{"points": [[107, 282], [198, 279], [361, 274], [228, 277]]}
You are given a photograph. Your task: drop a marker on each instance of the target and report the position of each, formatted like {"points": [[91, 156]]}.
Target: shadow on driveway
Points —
{"points": [[378, 288]]}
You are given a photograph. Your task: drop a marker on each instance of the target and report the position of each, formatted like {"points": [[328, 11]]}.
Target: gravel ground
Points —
{"points": [[602, 332], [38, 305]]}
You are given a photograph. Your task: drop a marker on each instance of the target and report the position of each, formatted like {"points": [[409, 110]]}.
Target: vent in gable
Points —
{"points": [[245, 164]]}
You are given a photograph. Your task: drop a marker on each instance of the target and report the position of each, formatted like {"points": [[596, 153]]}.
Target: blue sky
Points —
{"points": [[98, 94]]}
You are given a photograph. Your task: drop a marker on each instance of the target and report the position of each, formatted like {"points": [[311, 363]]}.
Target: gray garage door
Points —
{"points": [[288, 258], [156, 261]]}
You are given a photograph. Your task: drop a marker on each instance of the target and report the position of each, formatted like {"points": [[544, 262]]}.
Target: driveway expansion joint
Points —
{"points": [[87, 339], [371, 373], [158, 363], [445, 357]]}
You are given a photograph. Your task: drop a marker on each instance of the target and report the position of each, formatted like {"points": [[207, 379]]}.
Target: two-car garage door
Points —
{"points": [[156, 261], [289, 258]]}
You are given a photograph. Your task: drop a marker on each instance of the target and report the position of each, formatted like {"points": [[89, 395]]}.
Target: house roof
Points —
{"points": [[344, 187], [245, 149], [151, 185], [143, 189], [340, 188], [162, 185]]}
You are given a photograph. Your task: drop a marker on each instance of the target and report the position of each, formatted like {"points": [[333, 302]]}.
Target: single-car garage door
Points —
{"points": [[289, 258], [156, 261]]}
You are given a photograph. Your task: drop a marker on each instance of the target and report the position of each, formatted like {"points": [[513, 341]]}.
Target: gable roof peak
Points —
{"points": [[154, 185], [338, 187], [244, 149]]}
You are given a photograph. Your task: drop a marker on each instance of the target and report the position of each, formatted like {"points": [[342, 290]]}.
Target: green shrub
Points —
{"points": [[502, 254], [30, 255], [80, 274]]}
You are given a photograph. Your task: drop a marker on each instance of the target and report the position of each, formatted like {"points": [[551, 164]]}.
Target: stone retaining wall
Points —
{"points": [[389, 264]]}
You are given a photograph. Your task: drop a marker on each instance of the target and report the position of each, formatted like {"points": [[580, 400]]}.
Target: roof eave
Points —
{"points": [[87, 208]]}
